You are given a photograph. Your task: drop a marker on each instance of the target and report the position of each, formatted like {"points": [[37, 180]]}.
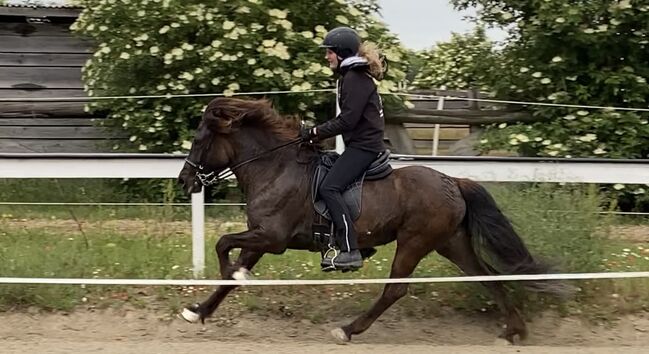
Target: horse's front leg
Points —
{"points": [[197, 312], [256, 240], [253, 245]]}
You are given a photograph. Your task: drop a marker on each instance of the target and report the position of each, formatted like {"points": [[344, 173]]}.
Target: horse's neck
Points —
{"points": [[276, 170]]}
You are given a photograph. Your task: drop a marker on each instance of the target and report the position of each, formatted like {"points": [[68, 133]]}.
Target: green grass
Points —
{"points": [[559, 223]]}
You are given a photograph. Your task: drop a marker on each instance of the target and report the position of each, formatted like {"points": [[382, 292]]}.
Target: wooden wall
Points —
{"points": [[40, 58]]}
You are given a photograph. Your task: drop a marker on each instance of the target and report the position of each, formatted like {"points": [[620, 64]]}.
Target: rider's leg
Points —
{"points": [[347, 168]]}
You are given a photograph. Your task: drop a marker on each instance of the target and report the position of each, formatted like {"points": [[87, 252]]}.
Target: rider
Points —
{"points": [[361, 124]]}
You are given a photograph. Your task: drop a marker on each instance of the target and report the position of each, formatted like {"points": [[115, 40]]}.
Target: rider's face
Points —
{"points": [[332, 58]]}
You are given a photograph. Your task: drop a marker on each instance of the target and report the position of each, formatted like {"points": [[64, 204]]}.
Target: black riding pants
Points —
{"points": [[347, 168]]}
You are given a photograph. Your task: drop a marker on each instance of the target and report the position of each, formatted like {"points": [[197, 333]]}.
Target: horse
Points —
{"points": [[423, 210]]}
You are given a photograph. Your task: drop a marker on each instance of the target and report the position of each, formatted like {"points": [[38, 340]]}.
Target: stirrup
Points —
{"points": [[332, 266]]}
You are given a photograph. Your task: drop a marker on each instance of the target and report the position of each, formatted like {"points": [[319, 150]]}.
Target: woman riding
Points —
{"points": [[361, 123]]}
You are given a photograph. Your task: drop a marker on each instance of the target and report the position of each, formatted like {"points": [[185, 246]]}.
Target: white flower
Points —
{"points": [[553, 153], [243, 10], [141, 13], [582, 113], [142, 147], [560, 20], [154, 50], [233, 86], [524, 69], [132, 138], [124, 56], [624, 4], [537, 74], [216, 43], [187, 145], [522, 138], [177, 52], [599, 151], [588, 137], [502, 125], [618, 186], [546, 142], [602, 28], [252, 61], [161, 87], [307, 34], [187, 76], [277, 13], [175, 25], [164, 29], [506, 15], [570, 117], [187, 46], [557, 59], [298, 73], [545, 81], [228, 25], [342, 19]]}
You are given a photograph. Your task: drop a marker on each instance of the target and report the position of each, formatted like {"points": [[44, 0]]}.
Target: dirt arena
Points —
{"points": [[140, 331]]}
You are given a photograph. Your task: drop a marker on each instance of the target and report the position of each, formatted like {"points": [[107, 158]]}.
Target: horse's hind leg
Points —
{"points": [[407, 257], [460, 251]]}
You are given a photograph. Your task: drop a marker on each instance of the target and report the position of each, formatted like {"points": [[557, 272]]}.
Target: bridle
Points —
{"points": [[212, 177]]}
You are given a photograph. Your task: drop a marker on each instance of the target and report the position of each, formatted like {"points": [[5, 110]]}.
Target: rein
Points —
{"points": [[212, 177]]}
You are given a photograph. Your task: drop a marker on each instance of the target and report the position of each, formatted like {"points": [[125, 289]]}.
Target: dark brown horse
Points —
{"points": [[422, 209]]}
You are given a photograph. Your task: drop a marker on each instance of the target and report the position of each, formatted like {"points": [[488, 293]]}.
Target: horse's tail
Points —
{"points": [[498, 247]]}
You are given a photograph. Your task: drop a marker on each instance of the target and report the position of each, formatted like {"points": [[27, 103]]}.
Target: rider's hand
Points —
{"points": [[308, 134]]}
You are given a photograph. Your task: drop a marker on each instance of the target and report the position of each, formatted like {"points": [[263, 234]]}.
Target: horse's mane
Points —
{"points": [[227, 113]]}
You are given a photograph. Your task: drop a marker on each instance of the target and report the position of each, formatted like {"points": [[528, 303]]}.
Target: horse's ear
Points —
{"points": [[217, 120]]}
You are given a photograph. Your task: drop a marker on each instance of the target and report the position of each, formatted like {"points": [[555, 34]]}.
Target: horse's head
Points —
{"points": [[220, 137], [212, 148]]}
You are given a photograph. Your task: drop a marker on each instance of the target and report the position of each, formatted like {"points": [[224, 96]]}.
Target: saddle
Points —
{"points": [[379, 169], [322, 227]]}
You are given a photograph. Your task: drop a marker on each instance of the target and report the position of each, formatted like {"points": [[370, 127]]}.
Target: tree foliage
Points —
{"points": [[162, 47]]}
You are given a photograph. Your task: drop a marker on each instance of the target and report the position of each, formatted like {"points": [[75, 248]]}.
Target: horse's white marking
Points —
{"points": [[340, 335], [241, 274], [501, 342], [190, 316]]}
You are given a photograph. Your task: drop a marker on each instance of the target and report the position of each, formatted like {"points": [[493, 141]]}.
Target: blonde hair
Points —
{"points": [[371, 53]]}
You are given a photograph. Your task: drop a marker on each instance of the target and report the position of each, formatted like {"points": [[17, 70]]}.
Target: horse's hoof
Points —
{"points": [[241, 274], [190, 316], [340, 335]]}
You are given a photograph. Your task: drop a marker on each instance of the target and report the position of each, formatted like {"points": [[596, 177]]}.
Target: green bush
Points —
{"points": [[160, 47]]}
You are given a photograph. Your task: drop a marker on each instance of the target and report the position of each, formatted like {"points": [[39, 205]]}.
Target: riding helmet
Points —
{"points": [[343, 41]]}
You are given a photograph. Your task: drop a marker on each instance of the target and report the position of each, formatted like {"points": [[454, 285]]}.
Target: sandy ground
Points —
{"points": [[140, 331]]}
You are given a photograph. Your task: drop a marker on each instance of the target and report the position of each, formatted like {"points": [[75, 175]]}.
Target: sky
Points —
{"points": [[422, 23]]}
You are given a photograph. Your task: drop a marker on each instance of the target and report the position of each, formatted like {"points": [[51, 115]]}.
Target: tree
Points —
{"points": [[462, 63], [160, 47], [583, 52]]}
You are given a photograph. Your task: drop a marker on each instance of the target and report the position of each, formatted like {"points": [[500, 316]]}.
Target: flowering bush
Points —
{"points": [[590, 54], [160, 47], [462, 63]]}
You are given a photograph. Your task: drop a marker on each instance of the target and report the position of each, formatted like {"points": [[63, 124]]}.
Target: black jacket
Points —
{"points": [[361, 120]]}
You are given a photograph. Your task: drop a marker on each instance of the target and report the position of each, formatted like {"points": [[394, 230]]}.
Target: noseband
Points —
{"points": [[212, 177]]}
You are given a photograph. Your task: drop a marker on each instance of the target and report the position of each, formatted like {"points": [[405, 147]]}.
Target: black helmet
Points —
{"points": [[343, 41]]}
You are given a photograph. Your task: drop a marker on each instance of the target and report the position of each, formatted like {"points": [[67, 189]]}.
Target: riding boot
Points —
{"points": [[344, 261]]}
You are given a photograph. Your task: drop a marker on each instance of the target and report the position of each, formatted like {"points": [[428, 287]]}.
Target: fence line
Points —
{"points": [[526, 103], [208, 282], [330, 90], [97, 98], [167, 166]]}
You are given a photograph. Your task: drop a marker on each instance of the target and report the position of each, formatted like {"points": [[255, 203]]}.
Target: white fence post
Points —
{"points": [[198, 233], [440, 107]]}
